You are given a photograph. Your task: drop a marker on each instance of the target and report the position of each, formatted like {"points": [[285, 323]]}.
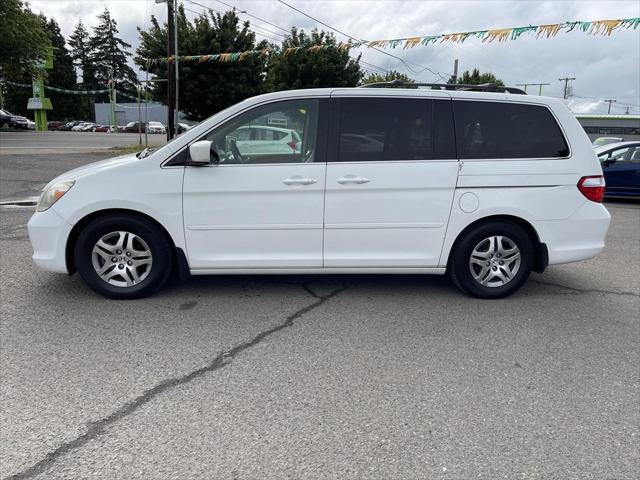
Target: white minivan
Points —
{"points": [[484, 186]]}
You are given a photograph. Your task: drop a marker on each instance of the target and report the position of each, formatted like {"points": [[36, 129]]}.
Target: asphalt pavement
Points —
{"points": [[29, 142], [317, 377]]}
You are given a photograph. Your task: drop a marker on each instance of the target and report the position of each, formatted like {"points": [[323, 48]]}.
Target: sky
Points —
{"points": [[603, 67]]}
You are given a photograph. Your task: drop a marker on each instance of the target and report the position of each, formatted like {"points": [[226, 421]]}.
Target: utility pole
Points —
{"points": [[566, 81], [540, 85], [454, 78], [175, 52], [626, 110], [610, 101], [112, 100], [171, 64], [146, 105]]}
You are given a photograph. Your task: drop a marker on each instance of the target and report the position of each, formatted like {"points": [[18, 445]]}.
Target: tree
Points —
{"points": [[24, 41], [63, 75], [387, 77], [81, 54], [330, 67], [109, 55], [477, 78], [205, 87]]}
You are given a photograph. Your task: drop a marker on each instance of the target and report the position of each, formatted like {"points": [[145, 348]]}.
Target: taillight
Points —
{"points": [[592, 187], [292, 144]]}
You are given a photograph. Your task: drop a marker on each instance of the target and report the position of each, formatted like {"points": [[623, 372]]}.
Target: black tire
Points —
{"points": [[460, 270], [156, 239]]}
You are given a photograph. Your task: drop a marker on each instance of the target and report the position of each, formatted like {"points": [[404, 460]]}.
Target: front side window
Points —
{"points": [[387, 129], [507, 130], [282, 132]]}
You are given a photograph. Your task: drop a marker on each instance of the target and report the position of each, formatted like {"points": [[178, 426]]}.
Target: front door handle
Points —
{"points": [[352, 179], [297, 180]]}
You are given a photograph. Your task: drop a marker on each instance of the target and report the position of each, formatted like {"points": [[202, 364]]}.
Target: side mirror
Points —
{"points": [[203, 153]]}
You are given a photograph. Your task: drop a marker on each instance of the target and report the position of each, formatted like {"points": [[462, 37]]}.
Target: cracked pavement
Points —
{"points": [[318, 377]]}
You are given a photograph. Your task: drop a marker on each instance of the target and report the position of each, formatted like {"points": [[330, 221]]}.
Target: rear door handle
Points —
{"points": [[352, 179], [297, 180]]}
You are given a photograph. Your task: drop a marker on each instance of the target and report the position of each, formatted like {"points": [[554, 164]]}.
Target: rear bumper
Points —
{"points": [[579, 237], [48, 234]]}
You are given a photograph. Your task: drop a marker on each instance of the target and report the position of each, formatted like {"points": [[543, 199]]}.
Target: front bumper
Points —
{"points": [[48, 234]]}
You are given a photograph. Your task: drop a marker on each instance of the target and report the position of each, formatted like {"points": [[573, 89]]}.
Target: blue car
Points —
{"points": [[621, 167]]}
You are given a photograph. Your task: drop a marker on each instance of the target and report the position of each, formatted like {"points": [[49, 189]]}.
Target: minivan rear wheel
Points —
{"points": [[123, 257], [492, 260]]}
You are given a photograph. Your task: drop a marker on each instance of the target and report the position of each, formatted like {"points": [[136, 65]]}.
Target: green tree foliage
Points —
{"points": [[208, 87], [62, 75], [109, 55], [79, 41], [24, 41], [305, 69], [387, 77], [476, 78], [81, 55]]}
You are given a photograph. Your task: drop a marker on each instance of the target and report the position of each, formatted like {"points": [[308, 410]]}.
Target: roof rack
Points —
{"points": [[484, 87]]}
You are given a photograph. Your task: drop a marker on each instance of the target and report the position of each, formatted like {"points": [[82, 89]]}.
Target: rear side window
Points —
{"points": [[383, 129], [507, 130]]}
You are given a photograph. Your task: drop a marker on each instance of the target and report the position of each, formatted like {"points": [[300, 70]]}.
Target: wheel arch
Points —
{"points": [[541, 259], [179, 257]]}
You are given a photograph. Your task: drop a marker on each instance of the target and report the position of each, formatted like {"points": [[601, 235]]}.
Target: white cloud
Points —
{"points": [[604, 67]]}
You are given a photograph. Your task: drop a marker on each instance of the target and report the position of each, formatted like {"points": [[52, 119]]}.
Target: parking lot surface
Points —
{"points": [[27, 142], [317, 377]]}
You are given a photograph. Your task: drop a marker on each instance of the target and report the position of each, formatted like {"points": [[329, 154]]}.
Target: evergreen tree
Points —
{"points": [[81, 55], [109, 55], [387, 77], [207, 87], [79, 41], [63, 75], [304, 69]]}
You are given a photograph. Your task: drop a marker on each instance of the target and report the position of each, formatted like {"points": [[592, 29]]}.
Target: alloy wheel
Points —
{"points": [[122, 259]]}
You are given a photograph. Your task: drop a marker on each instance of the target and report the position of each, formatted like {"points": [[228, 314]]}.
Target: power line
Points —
{"points": [[404, 62], [382, 69], [252, 16]]}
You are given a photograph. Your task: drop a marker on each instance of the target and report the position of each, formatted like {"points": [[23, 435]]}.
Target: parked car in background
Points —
{"points": [[69, 125], [31, 125], [79, 126], [135, 127], [263, 140], [84, 127], [183, 127], [156, 127], [13, 121], [621, 167], [605, 140], [486, 187], [55, 125], [5, 117], [102, 128]]}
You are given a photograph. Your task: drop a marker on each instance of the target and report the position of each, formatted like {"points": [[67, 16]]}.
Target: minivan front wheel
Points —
{"points": [[123, 257], [492, 260]]}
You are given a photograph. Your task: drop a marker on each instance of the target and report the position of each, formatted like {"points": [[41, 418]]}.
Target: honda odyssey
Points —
{"points": [[486, 186]]}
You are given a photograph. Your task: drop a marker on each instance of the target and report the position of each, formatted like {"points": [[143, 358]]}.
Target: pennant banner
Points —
{"points": [[595, 27], [72, 92]]}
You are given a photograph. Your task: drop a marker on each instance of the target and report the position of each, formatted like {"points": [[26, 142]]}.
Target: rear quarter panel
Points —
{"points": [[535, 190]]}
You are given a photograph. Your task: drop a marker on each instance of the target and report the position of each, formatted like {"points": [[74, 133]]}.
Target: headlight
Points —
{"points": [[53, 194]]}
